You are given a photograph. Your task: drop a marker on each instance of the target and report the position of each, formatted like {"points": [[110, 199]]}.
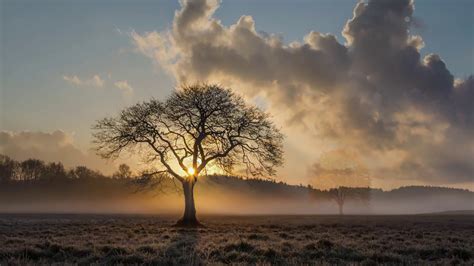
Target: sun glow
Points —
{"points": [[191, 171]]}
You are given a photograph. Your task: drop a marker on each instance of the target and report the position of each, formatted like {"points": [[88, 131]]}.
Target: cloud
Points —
{"points": [[73, 80], [48, 146], [98, 82], [95, 81], [124, 87], [375, 93]]}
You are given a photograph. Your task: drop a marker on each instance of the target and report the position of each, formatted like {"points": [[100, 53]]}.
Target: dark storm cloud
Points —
{"points": [[375, 93], [463, 103]]}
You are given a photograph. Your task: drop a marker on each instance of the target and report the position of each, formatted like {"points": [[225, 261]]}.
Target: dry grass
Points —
{"points": [[89, 239]]}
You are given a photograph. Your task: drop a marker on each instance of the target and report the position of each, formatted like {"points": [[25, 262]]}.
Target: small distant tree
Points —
{"points": [[32, 169], [82, 172], [7, 169], [341, 194], [54, 171], [124, 172], [344, 175], [195, 128]]}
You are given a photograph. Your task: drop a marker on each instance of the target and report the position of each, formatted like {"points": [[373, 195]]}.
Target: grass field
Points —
{"points": [[127, 239]]}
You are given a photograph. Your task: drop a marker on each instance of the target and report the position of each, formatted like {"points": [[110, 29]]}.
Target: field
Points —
{"points": [[128, 239]]}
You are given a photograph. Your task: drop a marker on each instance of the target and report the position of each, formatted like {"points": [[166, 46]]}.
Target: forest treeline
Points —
{"points": [[34, 185], [32, 170]]}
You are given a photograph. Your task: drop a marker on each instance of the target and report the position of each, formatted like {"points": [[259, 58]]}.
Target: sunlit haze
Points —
{"points": [[236, 132], [362, 101]]}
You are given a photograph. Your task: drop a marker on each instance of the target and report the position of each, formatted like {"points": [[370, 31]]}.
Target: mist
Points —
{"points": [[221, 195]]}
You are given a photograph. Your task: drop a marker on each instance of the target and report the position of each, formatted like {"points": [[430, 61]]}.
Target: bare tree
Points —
{"points": [[341, 194], [124, 172], [344, 175], [82, 172], [197, 127], [8, 167], [54, 171], [32, 169]]}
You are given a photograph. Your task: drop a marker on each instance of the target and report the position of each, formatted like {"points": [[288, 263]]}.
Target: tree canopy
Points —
{"points": [[196, 127]]}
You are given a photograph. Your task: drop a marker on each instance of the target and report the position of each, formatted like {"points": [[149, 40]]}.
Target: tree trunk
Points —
{"points": [[341, 205], [189, 216]]}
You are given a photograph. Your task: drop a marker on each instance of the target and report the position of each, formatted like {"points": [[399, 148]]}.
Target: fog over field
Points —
{"points": [[220, 132], [221, 195]]}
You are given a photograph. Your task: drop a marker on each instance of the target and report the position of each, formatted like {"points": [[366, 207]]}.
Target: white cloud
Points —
{"points": [[375, 94], [124, 87], [73, 79], [95, 81]]}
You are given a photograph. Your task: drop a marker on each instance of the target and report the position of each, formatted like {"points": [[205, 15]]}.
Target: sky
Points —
{"points": [[387, 96]]}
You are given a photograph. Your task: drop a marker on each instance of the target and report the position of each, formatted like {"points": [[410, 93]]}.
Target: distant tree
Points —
{"points": [[344, 174], [196, 127], [7, 169], [124, 172], [54, 171], [32, 169], [82, 172], [341, 194]]}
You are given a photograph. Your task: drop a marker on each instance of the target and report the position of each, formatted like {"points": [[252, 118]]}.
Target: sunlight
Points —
{"points": [[191, 171], [211, 136]]}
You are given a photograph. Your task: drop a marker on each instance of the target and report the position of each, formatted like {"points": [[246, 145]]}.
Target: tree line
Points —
{"points": [[32, 170], [31, 174]]}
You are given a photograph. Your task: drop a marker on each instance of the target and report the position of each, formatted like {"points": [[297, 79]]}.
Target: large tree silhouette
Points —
{"points": [[197, 127]]}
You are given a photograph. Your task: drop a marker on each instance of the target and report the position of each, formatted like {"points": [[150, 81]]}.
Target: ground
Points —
{"points": [[112, 239]]}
